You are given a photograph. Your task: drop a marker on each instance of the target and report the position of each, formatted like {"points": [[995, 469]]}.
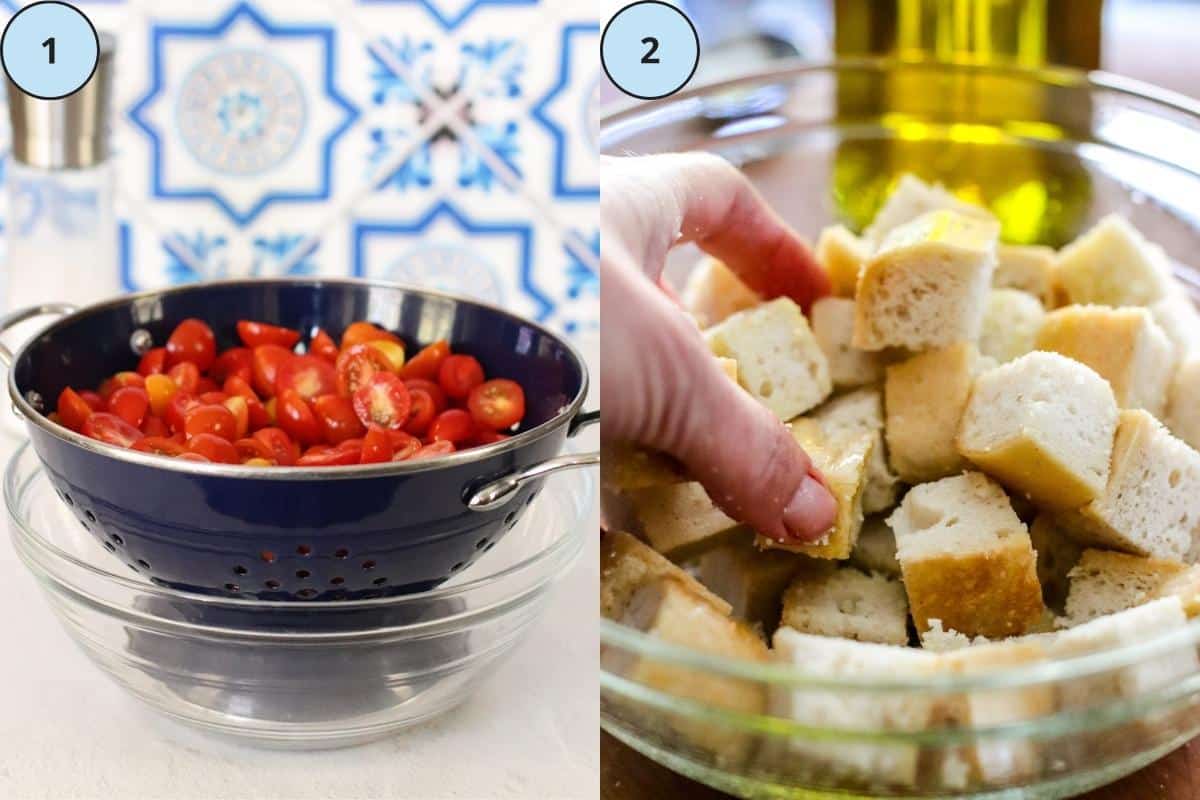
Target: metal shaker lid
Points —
{"points": [[71, 132]]}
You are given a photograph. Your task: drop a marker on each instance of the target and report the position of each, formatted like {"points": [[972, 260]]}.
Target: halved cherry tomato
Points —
{"points": [[271, 407], [258, 462], [160, 389], [177, 409], [267, 360], [214, 398], [155, 426], [403, 445], [363, 332], [94, 400], [130, 403], [356, 365], [421, 412], [160, 446], [297, 419], [256, 334], [323, 346], [459, 374], [214, 448], [237, 361], [309, 375], [325, 456], [206, 385], [192, 341], [383, 401], [484, 436], [376, 446], [283, 449], [240, 409], [111, 429], [426, 363], [154, 362], [236, 386], [213, 419], [186, 377], [453, 425], [497, 404], [392, 351], [251, 448], [73, 410], [193, 457], [440, 401], [439, 448], [120, 381], [338, 420]]}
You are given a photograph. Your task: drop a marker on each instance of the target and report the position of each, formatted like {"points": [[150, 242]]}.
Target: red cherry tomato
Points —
{"points": [[268, 358], [458, 375], [356, 365], [453, 425], [240, 409], [383, 401], [73, 410], [497, 404], [237, 361], [323, 346], [111, 429], [215, 448], [154, 362], [309, 375], [236, 386], [155, 426], [376, 446], [426, 363], [215, 398], [256, 334], [206, 385], [484, 436], [160, 446], [421, 412], [212, 419], [338, 419], [403, 445], [297, 419], [94, 400], [434, 450], [363, 332], [120, 381], [440, 401], [283, 449], [130, 403], [186, 377], [326, 456], [193, 457], [177, 409], [250, 447], [192, 341]]}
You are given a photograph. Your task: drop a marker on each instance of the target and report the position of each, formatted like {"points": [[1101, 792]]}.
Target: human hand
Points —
{"points": [[660, 385]]}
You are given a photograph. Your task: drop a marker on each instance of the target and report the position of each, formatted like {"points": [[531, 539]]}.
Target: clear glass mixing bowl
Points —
{"points": [[286, 674], [1097, 144]]}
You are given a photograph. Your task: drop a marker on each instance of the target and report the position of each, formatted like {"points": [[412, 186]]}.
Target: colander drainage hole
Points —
{"points": [[337, 581], [240, 570], [482, 543], [457, 567], [110, 547], [368, 565], [510, 519], [490, 545], [143, 563], [267, 556], [85, 526], [232, 587], [158, 581], [379, 581], [132, 567], [67, 499], [341, 552], [302, 573], [306, 593], [117, 540], [304, 550], [90, 516], [272, 584]]}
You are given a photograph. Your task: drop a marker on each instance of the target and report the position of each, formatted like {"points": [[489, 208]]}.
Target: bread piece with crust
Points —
{"points": [[627, 564], [1112, 264]]}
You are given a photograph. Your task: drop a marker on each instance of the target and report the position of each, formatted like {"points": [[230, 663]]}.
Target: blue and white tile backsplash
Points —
{"points": [[442, 142]]}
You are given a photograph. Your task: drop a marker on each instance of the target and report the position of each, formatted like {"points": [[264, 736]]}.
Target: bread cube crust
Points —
{"points": [[627, 564]]}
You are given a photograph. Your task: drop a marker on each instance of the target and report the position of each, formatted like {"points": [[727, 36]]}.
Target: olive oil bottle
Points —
{"points": [[972, 129]]}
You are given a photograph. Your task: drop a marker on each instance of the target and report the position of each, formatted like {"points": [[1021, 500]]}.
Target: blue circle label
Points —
{"points": [[49, 49], [649, 49]]}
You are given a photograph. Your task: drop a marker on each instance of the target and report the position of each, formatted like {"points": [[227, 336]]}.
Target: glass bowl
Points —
{"points": [[1050, 152], [295, 675]]}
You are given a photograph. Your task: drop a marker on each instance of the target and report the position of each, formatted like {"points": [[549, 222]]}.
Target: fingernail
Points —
{"points": [[812, 511]]}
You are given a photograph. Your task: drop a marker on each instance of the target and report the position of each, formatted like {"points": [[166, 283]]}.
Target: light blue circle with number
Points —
{"points": [[650, 49], [44, 30]]}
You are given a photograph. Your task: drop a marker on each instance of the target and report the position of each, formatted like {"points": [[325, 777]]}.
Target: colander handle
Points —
{"points": [[496, 493], [8, 321]]}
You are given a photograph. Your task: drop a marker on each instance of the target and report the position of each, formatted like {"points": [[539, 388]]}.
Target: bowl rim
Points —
{"points": [[31, 416], [24, 467]]}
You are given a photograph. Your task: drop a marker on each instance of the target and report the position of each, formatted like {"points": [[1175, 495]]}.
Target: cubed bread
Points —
{"points": [[751, 580], [1124, 345], [843, 463], [1057, 555], [1151, 504], [625, 465], [875, 550], [627, 564], [966, 558], [833, 325], [1028, 268], [713, 293], [927, 285], [1104, 582], [829, 600], [1042, 425], [1183, 405], [925, 397], [729, 367], [842, 254], [1010, 324], [912, 198], [667, 609], [1111, 265], [779, 360], [1179, 319], [937, 639], [863, 762], [679, 521], [851, 415]]}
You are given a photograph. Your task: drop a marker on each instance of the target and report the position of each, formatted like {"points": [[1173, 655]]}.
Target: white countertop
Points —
{"points": [[69, 733]]}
